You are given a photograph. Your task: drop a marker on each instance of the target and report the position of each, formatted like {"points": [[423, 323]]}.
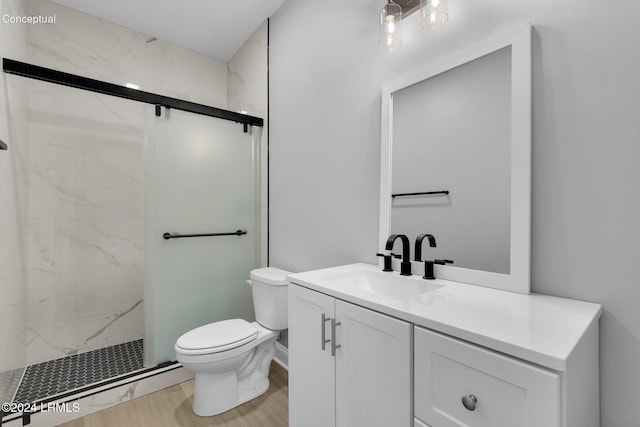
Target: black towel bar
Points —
{"points": [[420, 194], [168, 236]]}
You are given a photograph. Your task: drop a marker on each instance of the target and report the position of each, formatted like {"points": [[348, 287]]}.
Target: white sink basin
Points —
{"points": [[387, 284]]}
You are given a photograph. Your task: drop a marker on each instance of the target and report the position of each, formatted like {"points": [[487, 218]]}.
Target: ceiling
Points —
{"points": [[216, 28]]}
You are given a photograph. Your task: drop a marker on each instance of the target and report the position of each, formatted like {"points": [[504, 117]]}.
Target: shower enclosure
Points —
{"points": [[102, 182]]}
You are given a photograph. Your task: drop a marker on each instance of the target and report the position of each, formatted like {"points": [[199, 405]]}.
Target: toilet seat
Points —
{"points": [[217, 337]]}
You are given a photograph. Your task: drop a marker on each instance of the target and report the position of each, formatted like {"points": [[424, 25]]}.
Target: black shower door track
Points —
{"points": [[23, 69]]}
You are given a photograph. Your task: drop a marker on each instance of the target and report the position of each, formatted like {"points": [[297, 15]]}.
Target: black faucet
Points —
{"points": [[419, 239], [405, 265]]}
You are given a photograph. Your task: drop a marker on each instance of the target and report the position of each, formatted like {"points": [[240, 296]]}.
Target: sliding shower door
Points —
{"points": [[201, 179]]}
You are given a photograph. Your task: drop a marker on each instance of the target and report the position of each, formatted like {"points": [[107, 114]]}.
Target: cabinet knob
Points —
{"points": [[469, 402]]}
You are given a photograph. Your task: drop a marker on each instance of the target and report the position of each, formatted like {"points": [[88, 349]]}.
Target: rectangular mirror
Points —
{"points": [[460, 131]]}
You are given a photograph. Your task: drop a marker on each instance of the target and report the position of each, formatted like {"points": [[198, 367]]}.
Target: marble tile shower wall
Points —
{"points": [[13, 184], [84, 216], [85, 222], [247, 90]]}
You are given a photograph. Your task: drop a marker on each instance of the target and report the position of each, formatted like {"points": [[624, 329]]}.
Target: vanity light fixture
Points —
{"points": [[433, 13], [390, 28]]}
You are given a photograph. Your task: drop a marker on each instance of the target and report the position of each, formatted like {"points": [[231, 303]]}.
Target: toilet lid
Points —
{"points": [[218, 336]]}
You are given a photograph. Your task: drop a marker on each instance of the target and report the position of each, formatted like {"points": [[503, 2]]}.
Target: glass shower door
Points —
{"points": [[201, 178]]}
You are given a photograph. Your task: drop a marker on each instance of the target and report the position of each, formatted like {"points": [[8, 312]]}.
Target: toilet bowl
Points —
{"points": [[231, 358]]}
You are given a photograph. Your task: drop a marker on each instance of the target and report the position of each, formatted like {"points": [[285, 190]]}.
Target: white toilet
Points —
{"points": [[231, 358]]}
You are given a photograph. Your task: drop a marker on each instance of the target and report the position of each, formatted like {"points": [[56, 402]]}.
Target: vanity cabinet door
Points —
{"points": [[361, 379], [373, 369], [459, 384], [311, 369]]}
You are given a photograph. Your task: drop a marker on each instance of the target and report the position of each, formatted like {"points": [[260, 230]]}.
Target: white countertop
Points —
{"points": [[541, 329]]}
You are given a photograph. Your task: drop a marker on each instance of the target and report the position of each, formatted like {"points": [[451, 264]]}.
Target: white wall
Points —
{"points": [[325, 79]]}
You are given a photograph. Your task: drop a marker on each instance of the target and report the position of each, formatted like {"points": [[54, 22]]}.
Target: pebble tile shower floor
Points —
{"points": [[9, 382], [68, 373]]}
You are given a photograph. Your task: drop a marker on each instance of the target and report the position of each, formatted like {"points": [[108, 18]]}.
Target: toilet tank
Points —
{"points": [[270, 291]]}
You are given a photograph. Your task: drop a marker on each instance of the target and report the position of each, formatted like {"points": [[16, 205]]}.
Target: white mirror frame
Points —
{"points": [[518, 279]]}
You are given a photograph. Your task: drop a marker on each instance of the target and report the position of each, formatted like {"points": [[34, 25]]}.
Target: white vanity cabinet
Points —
{"points": [[411, 350], [348, 366], [459, 384]]}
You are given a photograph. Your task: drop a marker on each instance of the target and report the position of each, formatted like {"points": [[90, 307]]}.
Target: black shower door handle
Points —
{"points": [[168, 236]]}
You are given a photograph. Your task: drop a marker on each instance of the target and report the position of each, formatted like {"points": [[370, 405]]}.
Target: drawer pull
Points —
{"points": [[469, 402]]}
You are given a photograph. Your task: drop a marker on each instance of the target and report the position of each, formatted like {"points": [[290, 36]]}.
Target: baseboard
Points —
{"points": [[282, 356], [77, 406]]}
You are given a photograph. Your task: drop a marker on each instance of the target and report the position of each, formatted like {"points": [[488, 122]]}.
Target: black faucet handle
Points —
{"points": [[428, 267], [387, 261], [396, 256]]}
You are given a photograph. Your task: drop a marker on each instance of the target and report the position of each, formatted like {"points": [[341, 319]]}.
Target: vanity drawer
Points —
{"points": [[507, 392]]}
